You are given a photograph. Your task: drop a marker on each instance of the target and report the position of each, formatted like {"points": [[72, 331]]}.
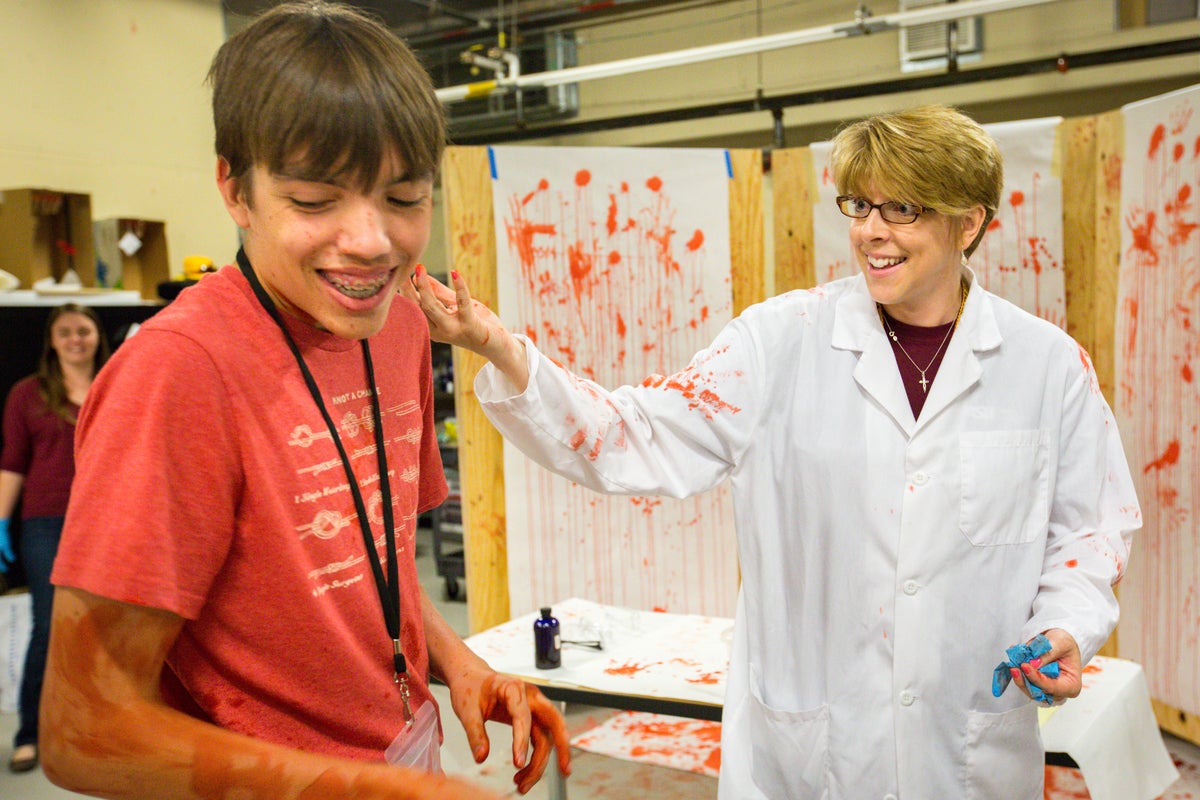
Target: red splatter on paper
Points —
{"points": [[1064, 783], [1020, 258], [1169, 457], [1157, 397], [616, 274], [1142, 229], [707, 678], [1156, 140], [628, 668], [684, 744]]}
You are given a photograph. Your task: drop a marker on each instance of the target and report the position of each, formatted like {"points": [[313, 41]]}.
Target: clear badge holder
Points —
{"points": [[418, 746]]}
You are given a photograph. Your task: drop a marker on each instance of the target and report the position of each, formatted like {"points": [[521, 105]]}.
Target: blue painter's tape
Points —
{"points": [[728, 166], [492, 161]]}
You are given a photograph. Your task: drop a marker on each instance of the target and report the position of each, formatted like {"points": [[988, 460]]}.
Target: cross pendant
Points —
{"points": [[924, 383]]}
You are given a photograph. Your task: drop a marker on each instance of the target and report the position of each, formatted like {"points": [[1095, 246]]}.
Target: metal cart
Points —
{"points": [[446, 525]]}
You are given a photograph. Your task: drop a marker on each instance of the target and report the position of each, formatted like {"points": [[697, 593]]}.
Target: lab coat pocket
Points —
{"points": [[790, 749], [1005, 494], [1003, 755]]}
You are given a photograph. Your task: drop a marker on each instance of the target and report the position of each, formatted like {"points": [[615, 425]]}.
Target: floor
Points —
{"points": [[593, 776]]}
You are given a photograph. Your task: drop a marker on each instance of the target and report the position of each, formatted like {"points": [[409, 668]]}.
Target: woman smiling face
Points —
{"points": [[913, 269], [75, 339], [936, 157]]}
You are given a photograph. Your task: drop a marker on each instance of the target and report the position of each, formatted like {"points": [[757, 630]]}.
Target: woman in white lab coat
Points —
{"points": [[923, 473]]}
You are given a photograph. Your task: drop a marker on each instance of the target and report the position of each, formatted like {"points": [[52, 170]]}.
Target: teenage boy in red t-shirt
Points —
{"points": [[237, 609]]}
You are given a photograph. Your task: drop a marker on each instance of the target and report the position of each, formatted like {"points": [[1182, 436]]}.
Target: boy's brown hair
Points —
{"points": [[324, 91]]}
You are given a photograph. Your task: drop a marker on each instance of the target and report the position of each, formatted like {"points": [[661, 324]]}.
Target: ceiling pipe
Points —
{"points": [[863, 24], [569, 15], [480, 23], [775, 104]]}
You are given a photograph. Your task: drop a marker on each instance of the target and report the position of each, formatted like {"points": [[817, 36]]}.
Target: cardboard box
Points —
{"points": [[134, 254], [46, 232]]}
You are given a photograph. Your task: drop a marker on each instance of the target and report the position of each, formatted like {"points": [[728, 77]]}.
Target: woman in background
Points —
{"points": [[37, 465]]}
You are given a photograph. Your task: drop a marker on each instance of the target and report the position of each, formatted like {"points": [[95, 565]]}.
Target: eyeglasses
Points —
{"points": [[892, 211]]}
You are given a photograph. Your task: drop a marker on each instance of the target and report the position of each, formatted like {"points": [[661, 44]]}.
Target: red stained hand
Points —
{"points": [[454, 318], [533, 718]]}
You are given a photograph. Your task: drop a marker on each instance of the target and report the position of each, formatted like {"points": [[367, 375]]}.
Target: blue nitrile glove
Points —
{"points": [[6, 552], [1018, 654]]}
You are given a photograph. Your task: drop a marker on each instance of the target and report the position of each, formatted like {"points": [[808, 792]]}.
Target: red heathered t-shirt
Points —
{"points": [[207, 484]]}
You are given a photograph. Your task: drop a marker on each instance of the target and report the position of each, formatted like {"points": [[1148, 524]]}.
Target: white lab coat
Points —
{"points": [[887, 563]]}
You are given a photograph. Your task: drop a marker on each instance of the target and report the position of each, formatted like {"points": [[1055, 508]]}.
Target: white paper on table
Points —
{"points": [[672, 656]]}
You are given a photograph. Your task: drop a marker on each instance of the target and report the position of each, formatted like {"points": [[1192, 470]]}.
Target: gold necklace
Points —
{"points": [[892, 334]]}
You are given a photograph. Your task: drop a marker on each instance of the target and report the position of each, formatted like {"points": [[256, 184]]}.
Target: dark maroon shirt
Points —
{"points": [[920, 344], [40, 445]]}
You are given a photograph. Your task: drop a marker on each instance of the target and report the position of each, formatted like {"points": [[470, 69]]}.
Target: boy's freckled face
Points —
{"points": [[332, 253]]}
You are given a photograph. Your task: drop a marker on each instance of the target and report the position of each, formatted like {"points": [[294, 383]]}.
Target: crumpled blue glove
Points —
{"points": [[7, 556], [1018, 654]]}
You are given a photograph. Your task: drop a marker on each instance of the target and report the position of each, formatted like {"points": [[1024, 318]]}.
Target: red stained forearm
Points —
{"points": [[105, 730]]}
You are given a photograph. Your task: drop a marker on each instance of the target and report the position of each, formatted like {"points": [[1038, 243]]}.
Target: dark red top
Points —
{"points": [[920, 344], [40, 445]]}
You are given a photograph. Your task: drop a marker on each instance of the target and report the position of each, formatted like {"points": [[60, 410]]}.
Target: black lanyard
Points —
{"points": [[389, 587]]}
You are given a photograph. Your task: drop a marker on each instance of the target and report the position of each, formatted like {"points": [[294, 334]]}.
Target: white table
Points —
{"points": [[676, 664], [1110, 732], [650, 662]]}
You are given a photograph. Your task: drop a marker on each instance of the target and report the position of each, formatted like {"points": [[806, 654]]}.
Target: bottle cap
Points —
{"points": [[545, 611]]}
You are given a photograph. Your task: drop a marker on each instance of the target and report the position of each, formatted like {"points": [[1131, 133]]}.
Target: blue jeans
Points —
{"points": [[39, 544]]}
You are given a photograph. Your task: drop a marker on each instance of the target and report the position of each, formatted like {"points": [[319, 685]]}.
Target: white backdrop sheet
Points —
{"points": [[1157, 394], [1020, 258], [616, 262]]}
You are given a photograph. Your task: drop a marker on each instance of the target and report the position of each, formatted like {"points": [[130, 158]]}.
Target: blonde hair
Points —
{"points": [[933, 156]]}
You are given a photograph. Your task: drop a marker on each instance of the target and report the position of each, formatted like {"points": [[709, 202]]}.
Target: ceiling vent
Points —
{"points": [[544, 51], [927, 46]]}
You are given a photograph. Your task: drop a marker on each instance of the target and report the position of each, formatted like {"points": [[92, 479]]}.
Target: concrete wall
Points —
{"points": [[108, 97]]}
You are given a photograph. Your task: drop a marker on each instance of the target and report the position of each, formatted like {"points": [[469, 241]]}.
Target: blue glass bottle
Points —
{"points": [[547, 641]]}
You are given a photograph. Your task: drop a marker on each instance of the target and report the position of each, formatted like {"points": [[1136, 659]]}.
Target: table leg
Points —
{"points": [[558, 785], [558, 782]]}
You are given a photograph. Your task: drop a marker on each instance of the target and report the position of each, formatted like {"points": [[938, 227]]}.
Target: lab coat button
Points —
{"points": [[911, 587], [906, 698], [920, 478]]}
